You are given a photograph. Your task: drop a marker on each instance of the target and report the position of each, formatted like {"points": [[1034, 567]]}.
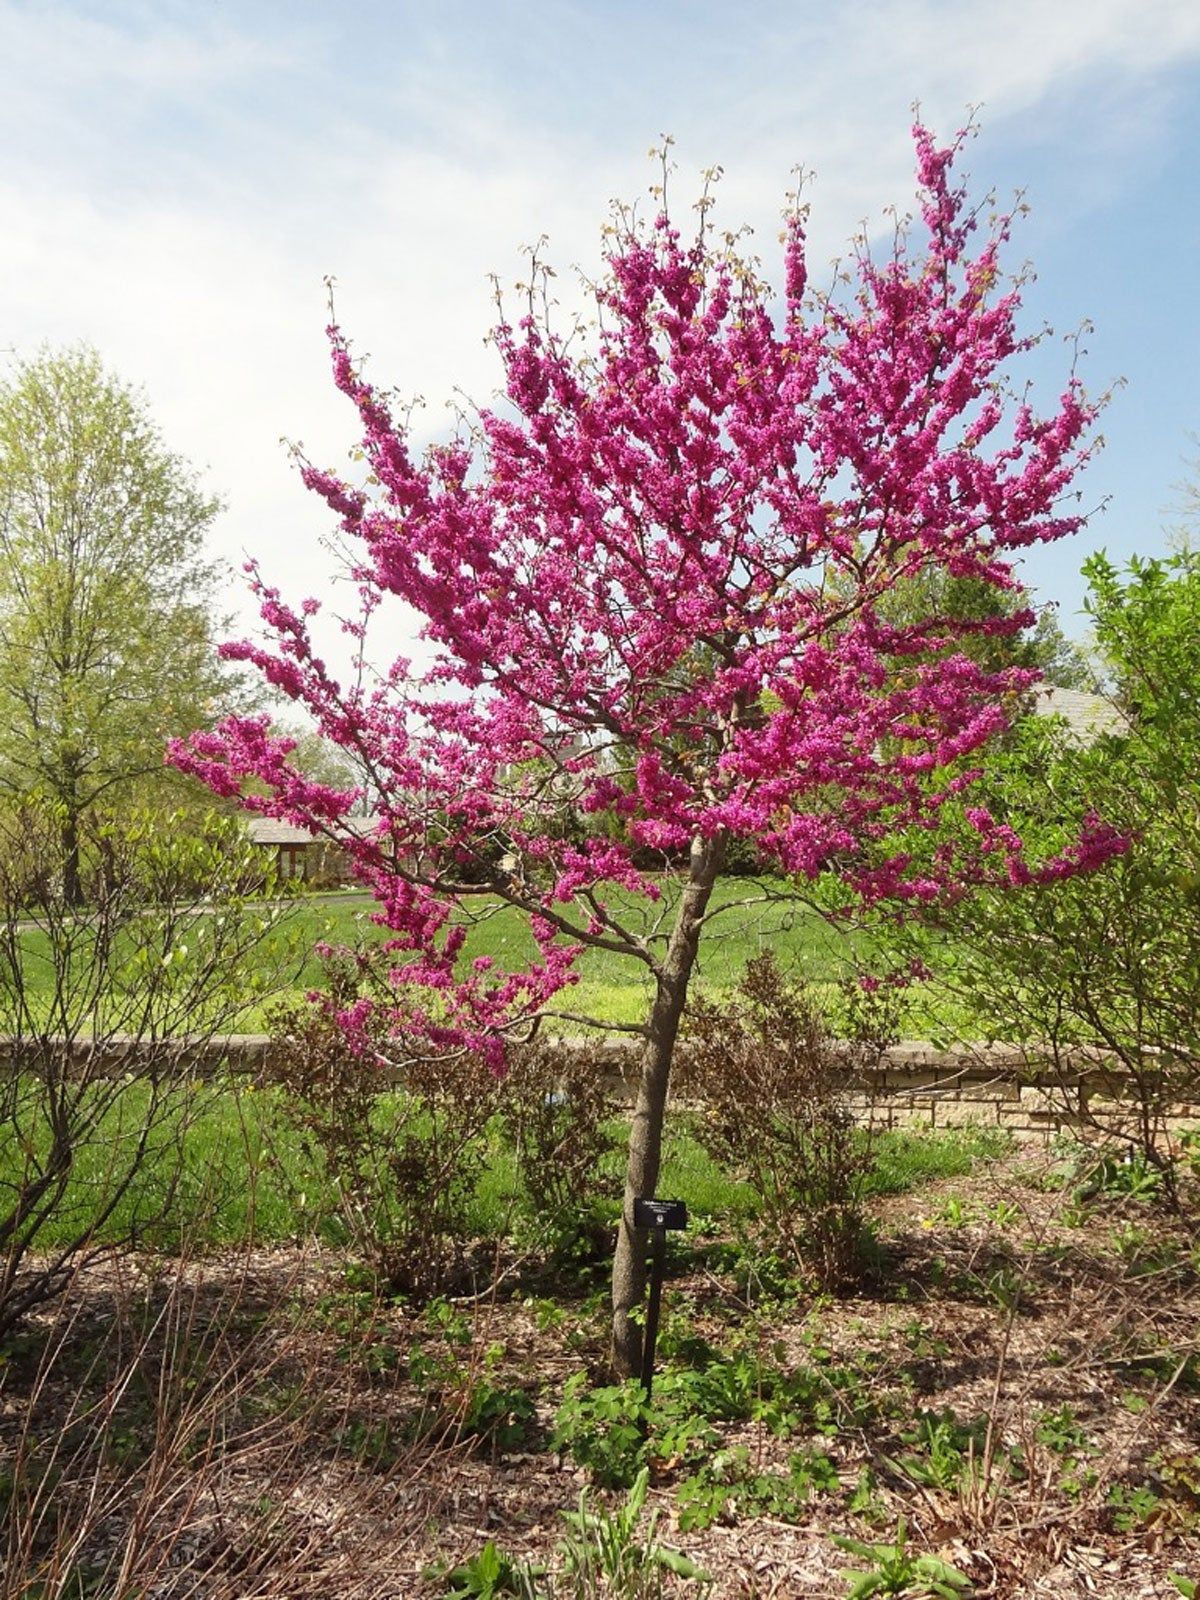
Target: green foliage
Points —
{"points": [[896, 1570], [903, 1161], [1060, 1430], [1132, 1506], [106, 625], [943, 1451], [612, 1432], [603, 1428], [726, 1489], [618, 1550], [933, 596], [1107, 1176], [1107, 960], [1166, 1500], [489, 1575], [461, 1399]]}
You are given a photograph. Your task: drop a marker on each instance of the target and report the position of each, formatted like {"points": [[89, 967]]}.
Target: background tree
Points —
{"points": [[674, 540], [1111, 963], [106, 599], [1039, 643]]}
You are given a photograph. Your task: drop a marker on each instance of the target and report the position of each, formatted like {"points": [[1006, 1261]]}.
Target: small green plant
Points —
{"points": [[943, 1450], [616, 1549], [488, 1575], [924, 1344], [548, 1315], [603, 1429], [1059, 1430], [866, 1501], [446, 1320], [464, 1400], [1168, 1501], [611, 1431], [1189, 1588], [895, 1570], [760, 1276], [1131, 1176], [953, 1213], [372, 1444], [725, 1488], [1132, 1505]]}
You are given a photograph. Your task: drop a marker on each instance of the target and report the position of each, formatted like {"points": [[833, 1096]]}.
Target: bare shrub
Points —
{"points": [[556, 1111], [401, 1138], [774, 1086], [188, 1437], [110, 1022]]}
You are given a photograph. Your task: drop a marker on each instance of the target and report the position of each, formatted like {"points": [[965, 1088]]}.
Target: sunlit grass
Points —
{"points": [[226, 1165], [616, 988], [610, 988]]}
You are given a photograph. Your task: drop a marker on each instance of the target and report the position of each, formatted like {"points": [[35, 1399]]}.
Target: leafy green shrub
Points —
{"points": [[604, 1428], [1095, 971], [461, 1398], [612, 1431]]}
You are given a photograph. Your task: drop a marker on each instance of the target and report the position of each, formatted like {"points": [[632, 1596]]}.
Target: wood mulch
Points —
{"points": [[252, 1425]]}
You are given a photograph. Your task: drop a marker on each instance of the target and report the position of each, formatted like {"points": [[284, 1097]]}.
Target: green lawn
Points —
{"points": [[227, 1166], [611, 987], [616, 988]]}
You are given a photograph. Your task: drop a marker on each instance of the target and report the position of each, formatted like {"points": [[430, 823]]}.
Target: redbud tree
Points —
{"points": [[654, 582]]}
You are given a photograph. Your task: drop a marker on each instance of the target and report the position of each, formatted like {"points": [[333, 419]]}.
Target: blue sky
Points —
{"points": [[180, 178]]}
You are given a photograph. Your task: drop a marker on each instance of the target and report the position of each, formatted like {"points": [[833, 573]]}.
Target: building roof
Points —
{"points": [[271, 831], [1088, 716]]}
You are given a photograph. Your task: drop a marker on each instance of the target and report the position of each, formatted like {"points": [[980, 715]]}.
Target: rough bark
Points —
{"points": [[645, 1134]]}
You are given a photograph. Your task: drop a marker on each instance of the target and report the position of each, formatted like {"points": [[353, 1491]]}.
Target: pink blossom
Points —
{"points": [[653, 587]]}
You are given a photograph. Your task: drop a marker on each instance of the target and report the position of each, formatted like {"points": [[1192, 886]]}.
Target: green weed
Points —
{"points": [[893, 1569]]}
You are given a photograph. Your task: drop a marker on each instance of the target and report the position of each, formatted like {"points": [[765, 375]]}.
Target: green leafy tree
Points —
{"points": [[1010, 632], [106, 598], [1110, 962]]}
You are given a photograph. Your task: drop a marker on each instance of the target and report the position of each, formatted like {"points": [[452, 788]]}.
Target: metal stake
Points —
{"points": [[658, 1262], [656, 1216]]}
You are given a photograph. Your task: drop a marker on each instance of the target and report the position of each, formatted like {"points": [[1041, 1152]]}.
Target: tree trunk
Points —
{"points": [[72, 879], [645, 1134]]}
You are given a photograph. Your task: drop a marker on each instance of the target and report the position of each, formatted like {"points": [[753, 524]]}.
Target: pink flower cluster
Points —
{"points": [[655, 589]]}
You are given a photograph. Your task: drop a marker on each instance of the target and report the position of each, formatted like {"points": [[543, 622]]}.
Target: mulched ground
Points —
{"points": [[255, 1426]]}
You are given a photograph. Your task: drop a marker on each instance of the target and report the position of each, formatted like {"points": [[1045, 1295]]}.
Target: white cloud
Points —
{"points": [[183, 185]]}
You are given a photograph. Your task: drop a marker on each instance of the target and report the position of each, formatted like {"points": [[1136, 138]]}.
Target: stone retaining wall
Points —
{"points": [[1015, 1088]]}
